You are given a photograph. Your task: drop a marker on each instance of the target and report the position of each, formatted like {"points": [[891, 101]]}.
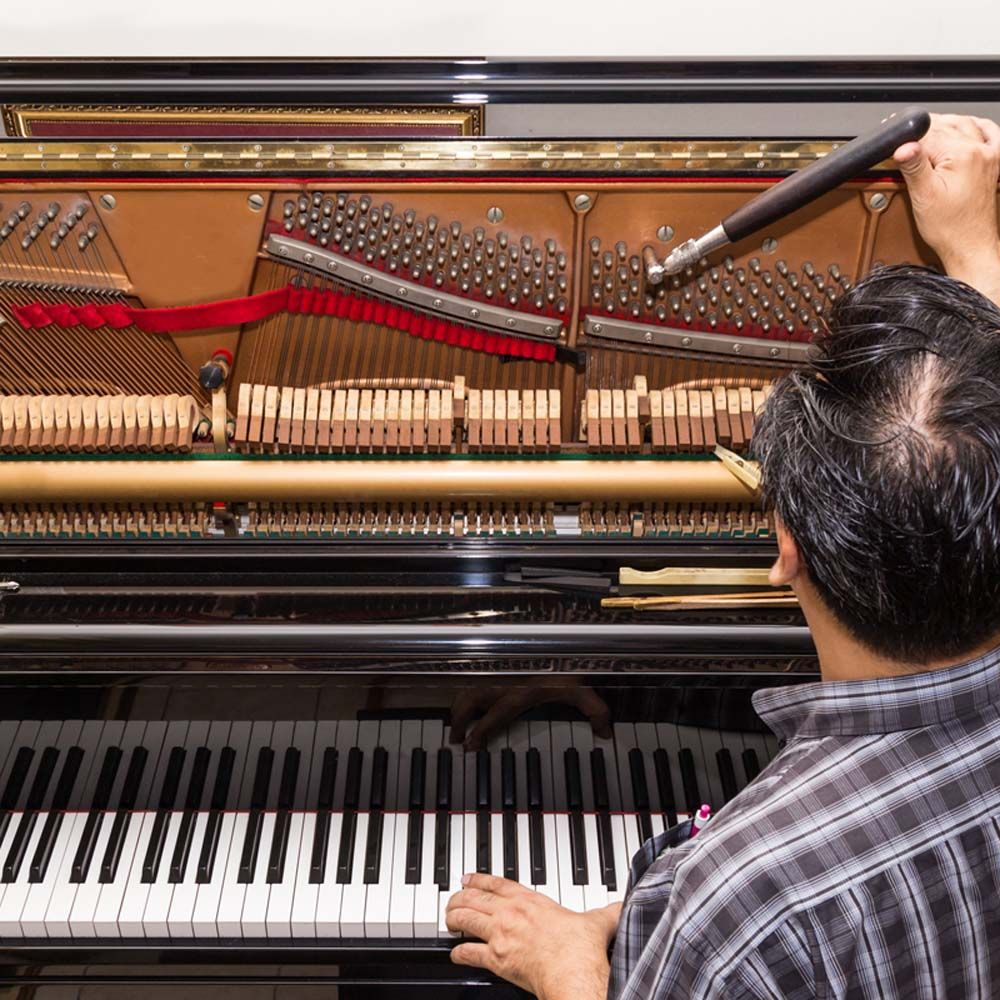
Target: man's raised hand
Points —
{"points": [[952, 176]]}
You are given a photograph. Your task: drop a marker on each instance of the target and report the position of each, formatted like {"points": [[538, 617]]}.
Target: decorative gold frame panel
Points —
{"points": [[20, 120]]}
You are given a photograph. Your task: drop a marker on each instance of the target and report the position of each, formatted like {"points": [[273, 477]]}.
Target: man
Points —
{"points": [[865, 860]]}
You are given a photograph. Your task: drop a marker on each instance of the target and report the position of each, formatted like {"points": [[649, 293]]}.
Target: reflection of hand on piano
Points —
{"points": [[502, 705]]}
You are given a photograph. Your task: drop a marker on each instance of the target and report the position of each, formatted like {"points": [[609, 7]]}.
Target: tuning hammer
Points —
{"points": [[798, 189]]}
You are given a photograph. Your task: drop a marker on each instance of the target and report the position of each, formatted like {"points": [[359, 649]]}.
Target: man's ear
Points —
{"points": [[789, 565]]}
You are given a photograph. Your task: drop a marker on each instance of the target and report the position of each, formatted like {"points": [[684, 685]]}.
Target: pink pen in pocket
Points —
{"points": [[701, 817]]}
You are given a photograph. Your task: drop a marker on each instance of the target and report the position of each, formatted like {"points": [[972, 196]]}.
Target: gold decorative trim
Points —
{"points": [[19, 119], [443, 156]]}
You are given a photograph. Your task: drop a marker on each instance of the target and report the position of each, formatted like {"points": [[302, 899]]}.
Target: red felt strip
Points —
{"points": [[232, 312]]}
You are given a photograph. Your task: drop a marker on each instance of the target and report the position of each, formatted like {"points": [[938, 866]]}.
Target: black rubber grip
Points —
{"points": [[844, 164]]}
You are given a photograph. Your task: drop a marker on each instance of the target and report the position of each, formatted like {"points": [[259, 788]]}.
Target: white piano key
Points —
{"points": [[523, 849], [60, 903], [305, 894], [595, 892], [570, 894], [279, 904], [106, 914], [39, 894], [180, 916], [379, 893], [352, 904], [229, 916], [16, 892], [623, 858], [258, 891], [402, 894], [330, 894], [496, 841], [425, 896], [206, 908], [81, 917]]}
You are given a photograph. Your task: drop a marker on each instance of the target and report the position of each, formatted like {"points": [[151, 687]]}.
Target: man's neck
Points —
{"points": [[843, 658]]}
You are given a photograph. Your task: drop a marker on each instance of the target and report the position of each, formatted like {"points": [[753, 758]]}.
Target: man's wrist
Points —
{"points": [[980, 270], [589, 983]]}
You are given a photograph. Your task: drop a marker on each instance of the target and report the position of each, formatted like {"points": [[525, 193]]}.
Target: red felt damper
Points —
{"points": [[232, 312]]}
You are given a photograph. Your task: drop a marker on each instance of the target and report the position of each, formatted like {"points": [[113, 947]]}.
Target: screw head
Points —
{"points": [[665, 233], [474, 313], [108, 201], [309, 258], [598, 328], [494, 214], [737, 348], [685, 341], [401, 291], [511, 323], [437, 303], [582, 202], [255, 202], [648, 336], [366, 279], [550, 330], [331, 265], [775, 351], [769, 245], [878, 201]]}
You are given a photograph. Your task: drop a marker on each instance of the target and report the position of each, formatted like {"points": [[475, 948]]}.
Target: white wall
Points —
{"points": [[694, 28]]}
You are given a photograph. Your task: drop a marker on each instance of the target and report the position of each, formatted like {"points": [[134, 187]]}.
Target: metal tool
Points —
{"points": [[798, 189]]}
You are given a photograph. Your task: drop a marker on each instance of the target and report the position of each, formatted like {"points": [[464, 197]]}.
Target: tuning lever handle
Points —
{"points": [[843, 164]]}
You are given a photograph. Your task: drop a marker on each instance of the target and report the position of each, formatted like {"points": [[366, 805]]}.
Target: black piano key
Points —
{"points": [[53, 822], [349, 826], [123, 816], [665, 785], [574, 800], [415, 819], [324, 803], [442, 820], [373, 847], [255, 819], [15, 782], [418, 778], [95, 817], [536, 830], [484, 796], [192, 803], [283, 818], [751, 765], [444, 774], [508, 802], [161, 821], [26, 825], [727, 773], [213, 825], [640, 793], [689, 779], [602, 805], [508, 780]]}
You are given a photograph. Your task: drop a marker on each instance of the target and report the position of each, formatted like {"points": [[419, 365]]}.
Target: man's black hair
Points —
{"points": [[882, 458]]}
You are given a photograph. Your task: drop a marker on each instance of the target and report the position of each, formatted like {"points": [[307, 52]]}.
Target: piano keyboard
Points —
{"points": [[329, 829]]}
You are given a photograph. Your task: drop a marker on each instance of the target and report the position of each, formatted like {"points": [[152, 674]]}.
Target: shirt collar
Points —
{"points": [[883, 705]]}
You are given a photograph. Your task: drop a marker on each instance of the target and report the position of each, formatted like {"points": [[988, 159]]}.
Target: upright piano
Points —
{"points": [[336, 402]]}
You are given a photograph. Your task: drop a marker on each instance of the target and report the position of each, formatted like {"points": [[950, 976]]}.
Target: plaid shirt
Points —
{"points": [[864, 861]]}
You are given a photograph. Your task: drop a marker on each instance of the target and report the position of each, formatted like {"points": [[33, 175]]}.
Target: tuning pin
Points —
{"points": [[754, 264], [595, 293], [456, 230], [561, 306], [52, 211], [729, 264], [609, 306], [82, 242], [782, 268], [808, 270], [526, 243], [741, 276], [55, 240], [621, 249], [595, 246], [661, 312], [81, 210], [23, 210]]}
